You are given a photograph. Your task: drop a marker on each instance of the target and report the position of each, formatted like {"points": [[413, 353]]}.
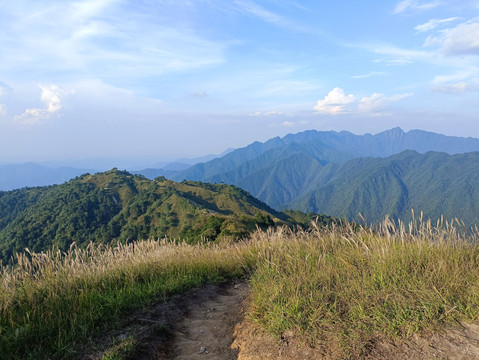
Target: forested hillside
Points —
{"points": [[436, 183], [118, 206]]}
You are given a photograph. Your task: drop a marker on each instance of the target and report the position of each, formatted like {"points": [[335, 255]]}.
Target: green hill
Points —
{"points": [[436, 183], [118, 206]]}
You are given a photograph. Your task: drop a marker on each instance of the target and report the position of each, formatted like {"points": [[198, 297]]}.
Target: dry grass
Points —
{"points": [[344, 286], [348, 287], [53, 300]]}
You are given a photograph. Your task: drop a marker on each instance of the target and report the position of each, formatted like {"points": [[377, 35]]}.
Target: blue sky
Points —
{"points": [[173, 78]]}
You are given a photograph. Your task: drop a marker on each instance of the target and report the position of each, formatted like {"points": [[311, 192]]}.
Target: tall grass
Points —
{"points": [[344, 287], [347, 288], [51, 301]]}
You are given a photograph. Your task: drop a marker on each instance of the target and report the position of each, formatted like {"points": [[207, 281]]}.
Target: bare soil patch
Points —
{"points": [[458, 343], [206, 329]]}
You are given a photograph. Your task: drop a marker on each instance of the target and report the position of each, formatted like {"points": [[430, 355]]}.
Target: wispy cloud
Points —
{"points": [[465, 80], [252, 8], [337, 102], [397, 55], [379, 101], [433, 24], [369, 74], [394, 62], [107, 39], [460, 40], [406, 5], [457, 88], [50, 96], [266, 113]]}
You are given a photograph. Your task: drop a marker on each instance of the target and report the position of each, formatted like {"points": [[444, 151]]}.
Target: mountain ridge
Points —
{"points": [[282, 170]]}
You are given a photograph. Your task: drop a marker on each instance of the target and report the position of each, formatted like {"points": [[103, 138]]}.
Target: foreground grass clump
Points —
{"points": [[348, 288], [52, 301]]}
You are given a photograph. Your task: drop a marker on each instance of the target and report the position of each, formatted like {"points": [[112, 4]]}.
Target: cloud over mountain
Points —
{"points": [[337, 102]]}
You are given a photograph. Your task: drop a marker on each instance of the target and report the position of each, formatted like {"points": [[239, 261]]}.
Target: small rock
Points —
{"points": [[202, 331], [203, 350]]}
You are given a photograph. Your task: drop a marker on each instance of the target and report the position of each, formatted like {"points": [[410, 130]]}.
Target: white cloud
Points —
{"points": [[3, 110], [405, 5], [334, 103], [460, 40], [378, 101], [288, 123], [433, 24], [51, 98]]}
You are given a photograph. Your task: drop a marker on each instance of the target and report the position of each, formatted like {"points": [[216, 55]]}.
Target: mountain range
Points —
{"points": [[339, 174], [16, 176], [342, 174]]}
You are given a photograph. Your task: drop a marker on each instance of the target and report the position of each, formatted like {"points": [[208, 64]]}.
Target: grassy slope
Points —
{"points": [[338, 286]]}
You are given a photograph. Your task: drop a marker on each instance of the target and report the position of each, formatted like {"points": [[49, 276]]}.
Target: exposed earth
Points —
{"points": [[209, 323]]}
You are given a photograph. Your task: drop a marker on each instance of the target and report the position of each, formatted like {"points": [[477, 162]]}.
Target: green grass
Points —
{"points": [[340, 287]]}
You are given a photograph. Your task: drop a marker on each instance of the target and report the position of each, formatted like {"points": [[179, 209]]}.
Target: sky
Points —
{"points": [[167, 79]]}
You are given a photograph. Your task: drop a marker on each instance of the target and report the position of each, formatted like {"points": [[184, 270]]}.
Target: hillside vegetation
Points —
{"points": [[117, 206], [341, 288]]}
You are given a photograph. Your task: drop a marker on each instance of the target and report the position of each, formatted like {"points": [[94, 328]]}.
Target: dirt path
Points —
{"points": [[206, 330]]}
